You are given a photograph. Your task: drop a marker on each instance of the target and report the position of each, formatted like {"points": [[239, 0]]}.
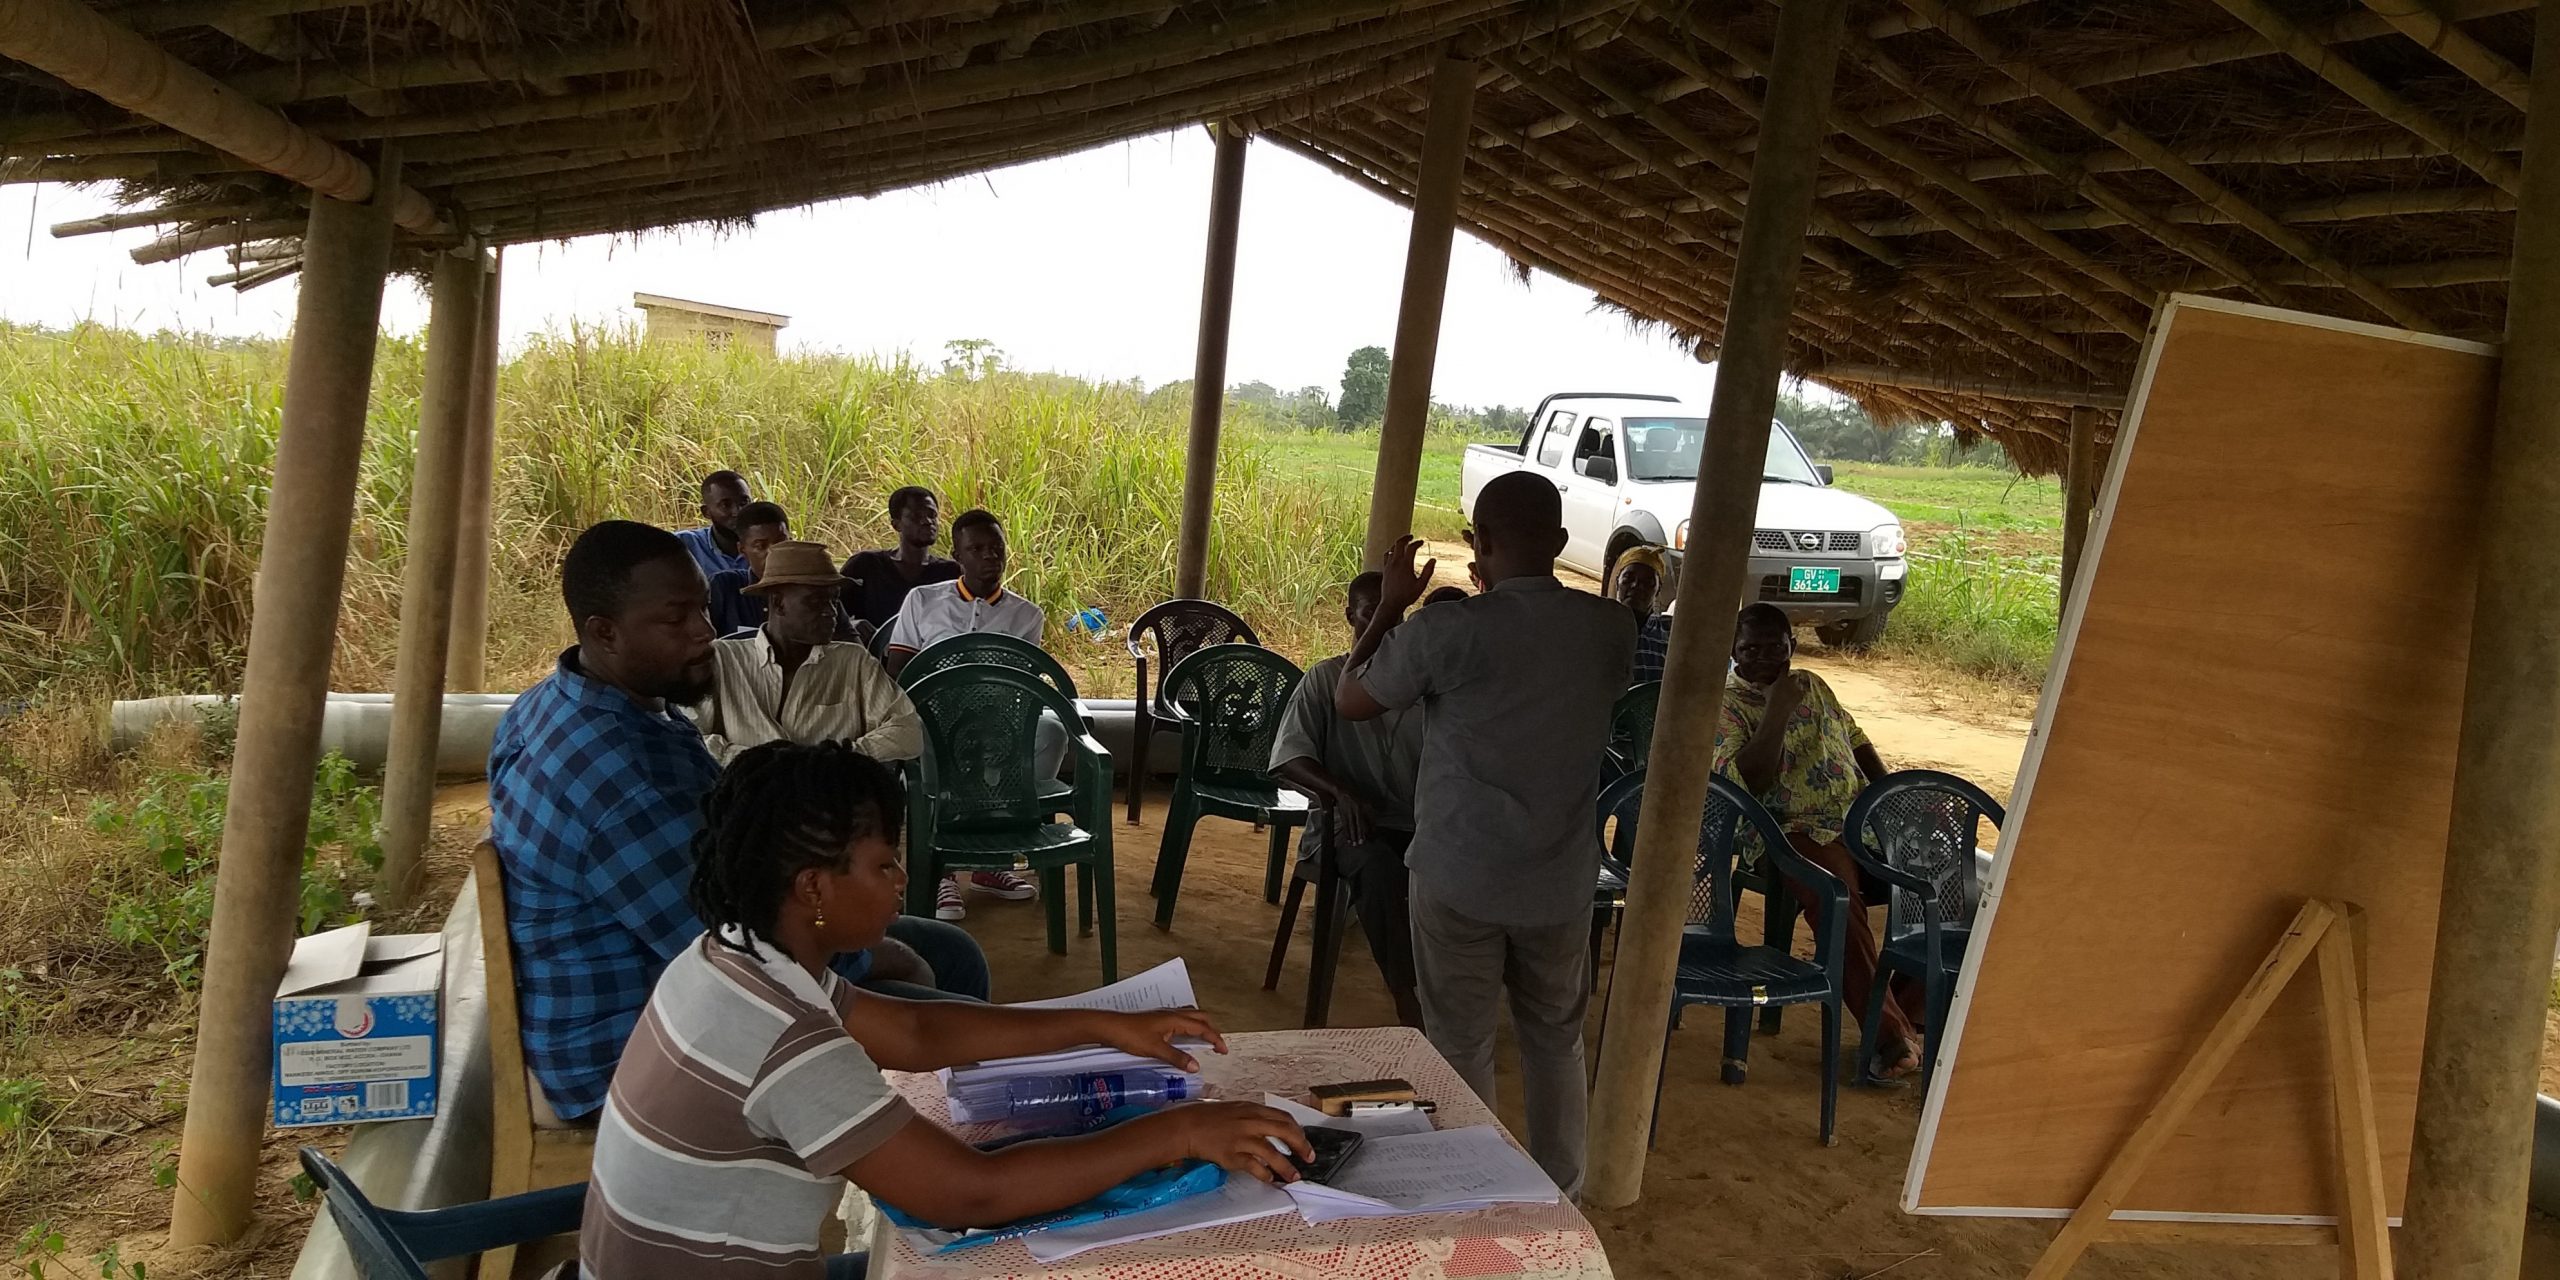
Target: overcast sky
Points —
{"points": [[1088, 264]]}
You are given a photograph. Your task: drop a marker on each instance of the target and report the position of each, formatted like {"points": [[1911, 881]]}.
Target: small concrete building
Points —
{"points": [[717, 327]]}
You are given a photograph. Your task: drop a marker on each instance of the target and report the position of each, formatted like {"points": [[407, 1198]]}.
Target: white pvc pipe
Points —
{"points": [[355, 725]]}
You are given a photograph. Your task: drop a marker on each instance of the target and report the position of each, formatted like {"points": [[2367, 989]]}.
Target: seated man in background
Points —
{"points": [[976, 601], [1361, 773], [595, 797], [733, 609], [876, 583], [1788, 741], [714, 546], [790, 680]]}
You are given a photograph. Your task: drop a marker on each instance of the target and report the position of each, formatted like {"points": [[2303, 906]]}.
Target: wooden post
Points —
{"points": [[293, 627], [2471, 1156], [1720, 521], [2079, 493], [466, 658], [1426, 280], [1209, 371], [445, 413]]}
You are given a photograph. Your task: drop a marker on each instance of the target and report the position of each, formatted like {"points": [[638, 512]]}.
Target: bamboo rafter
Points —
{"points": [[2352, 80], [2441, 37], [2108, 126]]}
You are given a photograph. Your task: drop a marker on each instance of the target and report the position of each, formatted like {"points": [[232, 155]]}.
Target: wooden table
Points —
{"points": [[1545, 1241]]}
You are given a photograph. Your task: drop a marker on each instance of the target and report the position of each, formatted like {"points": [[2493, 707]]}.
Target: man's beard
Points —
{"points": [[688, 689]]}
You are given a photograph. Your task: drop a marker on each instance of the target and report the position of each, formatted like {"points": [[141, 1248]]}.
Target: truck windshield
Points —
{"points": [[1668, 449]]}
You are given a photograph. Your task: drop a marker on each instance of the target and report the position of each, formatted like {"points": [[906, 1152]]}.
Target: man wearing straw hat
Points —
{"points": [[788, 679]]}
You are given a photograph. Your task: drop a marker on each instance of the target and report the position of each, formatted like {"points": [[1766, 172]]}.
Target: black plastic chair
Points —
{"points": [[1228, 699], [1631, 728], [1718, 969], [1916, 831], [397, 1244], [1177, 629]]}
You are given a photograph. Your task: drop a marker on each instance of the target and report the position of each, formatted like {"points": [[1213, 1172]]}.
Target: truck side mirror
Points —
{"points": [[1601, 468], [1823, 469]]}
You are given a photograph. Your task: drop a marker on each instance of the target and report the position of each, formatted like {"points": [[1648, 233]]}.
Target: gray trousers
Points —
{"points": [[1463, 967]]}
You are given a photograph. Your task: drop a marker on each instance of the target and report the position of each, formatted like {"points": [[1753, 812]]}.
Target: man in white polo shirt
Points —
{"points": [[975, 601]]}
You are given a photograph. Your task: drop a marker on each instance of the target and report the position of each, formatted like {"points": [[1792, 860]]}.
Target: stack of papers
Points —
{"points": [[1167, 986], [1446, 1171]]}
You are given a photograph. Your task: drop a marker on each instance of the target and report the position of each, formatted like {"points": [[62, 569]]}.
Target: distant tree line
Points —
{"points": [[1363, 403]]}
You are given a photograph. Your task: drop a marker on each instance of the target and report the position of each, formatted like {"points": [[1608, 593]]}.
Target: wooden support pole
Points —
{"points": [[2079, 493], [1720, 520], [1426, 282], [466, 657], [2471, 1156], [1209, 370], [293, 628], [445, 413]]}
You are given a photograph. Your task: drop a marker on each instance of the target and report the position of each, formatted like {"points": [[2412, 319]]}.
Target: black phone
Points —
{"points": [[1333, 1149]]}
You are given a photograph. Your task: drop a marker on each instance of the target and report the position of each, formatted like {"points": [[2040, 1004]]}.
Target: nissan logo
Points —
{"points": [[1809, 541]]}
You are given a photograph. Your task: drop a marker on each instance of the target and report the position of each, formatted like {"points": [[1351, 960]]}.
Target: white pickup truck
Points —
{"points": [[1627, 466]]}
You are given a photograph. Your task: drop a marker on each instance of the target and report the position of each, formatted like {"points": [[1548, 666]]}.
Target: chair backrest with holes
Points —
{"points": [[1230, 697], [987, 647], [1621, 808], [1175, 630], [1733, 827], [981, 731], [1925, 824]]}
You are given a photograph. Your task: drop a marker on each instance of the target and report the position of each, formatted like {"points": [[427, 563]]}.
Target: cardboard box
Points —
{"points": [[359, 1027]]}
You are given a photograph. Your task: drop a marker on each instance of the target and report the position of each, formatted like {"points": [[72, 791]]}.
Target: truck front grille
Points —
{"points": [[1795, 541]]}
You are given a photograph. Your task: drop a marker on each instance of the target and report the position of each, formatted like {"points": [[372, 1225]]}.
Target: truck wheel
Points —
{"points": [[1855, 634]]}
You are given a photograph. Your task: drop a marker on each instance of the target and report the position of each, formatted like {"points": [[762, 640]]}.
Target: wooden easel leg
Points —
{"points": [[2364, 1231], [2188, 1087]]}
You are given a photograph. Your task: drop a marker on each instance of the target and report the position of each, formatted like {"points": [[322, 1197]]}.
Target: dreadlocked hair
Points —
{"points": [[781, 809]]}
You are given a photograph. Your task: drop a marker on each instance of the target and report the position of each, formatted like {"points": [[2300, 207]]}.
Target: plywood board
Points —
{"points": [[2255, 702]]}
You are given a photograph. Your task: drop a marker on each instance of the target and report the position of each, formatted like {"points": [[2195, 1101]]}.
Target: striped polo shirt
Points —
{"points": [[738, 1104]]}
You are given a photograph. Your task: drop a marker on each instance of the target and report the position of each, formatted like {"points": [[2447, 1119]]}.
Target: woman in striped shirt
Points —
{"points": [[752, 1089]]}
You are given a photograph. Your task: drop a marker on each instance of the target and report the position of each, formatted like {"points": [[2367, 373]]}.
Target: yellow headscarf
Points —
{"points": [[1648, 556]]}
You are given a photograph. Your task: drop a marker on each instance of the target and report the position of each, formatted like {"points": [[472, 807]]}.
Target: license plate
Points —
{"points": [[1802, 581]]}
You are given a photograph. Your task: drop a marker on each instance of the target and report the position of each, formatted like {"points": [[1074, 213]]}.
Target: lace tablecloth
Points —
{"points": [[1542, 1241]]}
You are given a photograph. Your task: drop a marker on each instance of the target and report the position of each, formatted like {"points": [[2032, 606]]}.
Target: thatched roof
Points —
{"points": [[2009, 188]]}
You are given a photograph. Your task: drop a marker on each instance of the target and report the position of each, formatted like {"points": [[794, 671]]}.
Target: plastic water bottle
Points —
{"points": [[1088, 622], [1071, 1099]]}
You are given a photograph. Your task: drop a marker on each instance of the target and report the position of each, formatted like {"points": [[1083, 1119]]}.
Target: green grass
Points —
{"points": [[1986, 554], [1343, 463], [134, 473]]}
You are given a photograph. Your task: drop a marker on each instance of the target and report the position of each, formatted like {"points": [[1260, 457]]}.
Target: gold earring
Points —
{"points": [[820, 919]]}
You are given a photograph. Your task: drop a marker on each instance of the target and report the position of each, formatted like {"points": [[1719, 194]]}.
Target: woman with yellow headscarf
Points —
{"points": [[1636, 581]]}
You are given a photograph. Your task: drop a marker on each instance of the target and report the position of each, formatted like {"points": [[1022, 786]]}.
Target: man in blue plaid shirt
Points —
{"points": [[595, 792]]}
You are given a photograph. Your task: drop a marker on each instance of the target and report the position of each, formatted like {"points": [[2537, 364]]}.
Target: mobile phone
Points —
{"points": [[1333, 1149]]}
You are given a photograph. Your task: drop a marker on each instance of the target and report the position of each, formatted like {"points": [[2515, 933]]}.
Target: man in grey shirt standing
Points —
{"points": [[1517, 684]]}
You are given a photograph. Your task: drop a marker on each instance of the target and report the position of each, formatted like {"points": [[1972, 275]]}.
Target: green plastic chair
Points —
{"points": [[1003, 651], [1228, 699], [1631, 728], [987, 646], [975, 802]]}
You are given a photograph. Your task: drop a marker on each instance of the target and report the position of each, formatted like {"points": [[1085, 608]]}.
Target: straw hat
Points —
{"points": [[796, 564]]}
